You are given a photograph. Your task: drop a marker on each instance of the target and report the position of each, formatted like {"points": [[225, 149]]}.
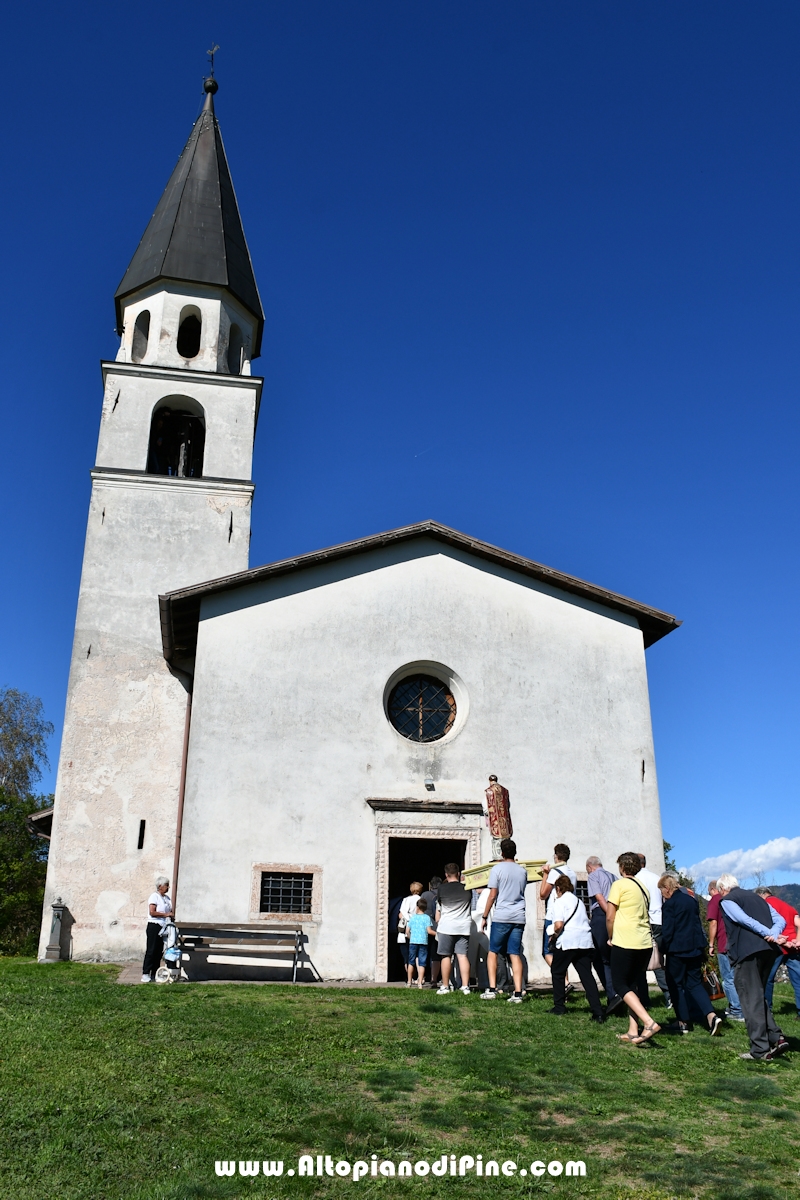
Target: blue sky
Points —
{"points": [[530, 269]]}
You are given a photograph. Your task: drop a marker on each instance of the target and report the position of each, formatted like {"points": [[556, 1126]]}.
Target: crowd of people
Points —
{"points": [[632, 922]]}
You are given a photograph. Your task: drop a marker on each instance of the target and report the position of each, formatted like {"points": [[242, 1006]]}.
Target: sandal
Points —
{"points": [[647, 1033], [624, 1037]]}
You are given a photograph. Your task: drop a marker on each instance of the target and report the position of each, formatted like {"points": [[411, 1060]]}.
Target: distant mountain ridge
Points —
{"points": [[790, 892]]}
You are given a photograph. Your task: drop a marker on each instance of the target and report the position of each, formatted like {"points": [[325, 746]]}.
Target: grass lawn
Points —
{"points": [[114, 1091]]}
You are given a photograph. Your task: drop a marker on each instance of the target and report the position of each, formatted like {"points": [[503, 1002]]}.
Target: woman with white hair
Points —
{"points": [[160, 909]]}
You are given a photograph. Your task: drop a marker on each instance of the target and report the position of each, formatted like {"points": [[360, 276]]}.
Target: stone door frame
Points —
{"points": [[461, 831]]}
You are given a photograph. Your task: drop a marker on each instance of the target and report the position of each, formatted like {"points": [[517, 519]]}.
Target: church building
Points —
{"points": [[294, 743]]}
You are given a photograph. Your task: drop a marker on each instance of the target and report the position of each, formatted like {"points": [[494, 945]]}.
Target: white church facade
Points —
{"points": [[294, 743]]}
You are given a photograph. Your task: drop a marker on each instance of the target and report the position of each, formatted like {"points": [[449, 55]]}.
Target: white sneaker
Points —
{"points": [[465, 991], [443, 991], [146, 979], [488, 995], [512, 999]]}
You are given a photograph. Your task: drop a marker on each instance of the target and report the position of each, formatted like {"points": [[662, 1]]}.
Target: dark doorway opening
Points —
{"points": [[415, 859]]}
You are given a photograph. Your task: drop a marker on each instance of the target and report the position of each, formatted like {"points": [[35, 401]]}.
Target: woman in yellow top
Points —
{"points": [[628, 924]]}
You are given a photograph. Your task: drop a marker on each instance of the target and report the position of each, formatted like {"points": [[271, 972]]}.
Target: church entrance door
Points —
{"points": [[410, 859]]}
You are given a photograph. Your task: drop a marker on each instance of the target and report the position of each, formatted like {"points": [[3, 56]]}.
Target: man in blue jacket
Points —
{"points": [[754, 932]]}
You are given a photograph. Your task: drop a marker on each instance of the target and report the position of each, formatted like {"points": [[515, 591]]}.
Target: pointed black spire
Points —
{"points": [[195, 235]]}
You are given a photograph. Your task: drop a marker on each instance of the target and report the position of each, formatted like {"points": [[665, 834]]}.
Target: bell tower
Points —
{"points": [[170, 506]]}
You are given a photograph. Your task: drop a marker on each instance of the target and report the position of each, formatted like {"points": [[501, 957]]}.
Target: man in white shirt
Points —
{"points": [[479, 939], [574, 947], [550, 873], [650, 880]]}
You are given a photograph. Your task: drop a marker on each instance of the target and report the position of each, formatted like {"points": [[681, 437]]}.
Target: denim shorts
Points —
{"points": [[418, 953], [505, 939]]}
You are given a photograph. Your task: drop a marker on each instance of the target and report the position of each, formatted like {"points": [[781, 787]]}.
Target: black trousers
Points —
{"points": [[629, 969], [750, 979], [661, 978], [688, 993], [581, 960], [601, 959], [155, 949]]}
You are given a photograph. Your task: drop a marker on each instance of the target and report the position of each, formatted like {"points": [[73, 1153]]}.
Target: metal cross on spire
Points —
{"points": [[211, 53]]}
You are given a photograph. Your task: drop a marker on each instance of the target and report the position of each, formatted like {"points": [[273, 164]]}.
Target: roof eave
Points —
{"points": [[186, 602]]}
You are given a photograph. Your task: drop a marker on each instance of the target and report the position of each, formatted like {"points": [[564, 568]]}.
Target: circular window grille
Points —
{"points": [[422, 708]]}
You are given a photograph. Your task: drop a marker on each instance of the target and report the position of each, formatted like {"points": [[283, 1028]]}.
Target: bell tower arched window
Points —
{"points": [[177, 439], [189, 331], [235, 351], [141, 336]]}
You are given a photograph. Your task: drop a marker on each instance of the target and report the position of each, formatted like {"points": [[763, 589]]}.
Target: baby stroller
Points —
{"points": [[171, 972]]}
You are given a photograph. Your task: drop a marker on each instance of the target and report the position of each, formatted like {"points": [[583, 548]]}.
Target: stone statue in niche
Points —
{"points": [[498, 814]]}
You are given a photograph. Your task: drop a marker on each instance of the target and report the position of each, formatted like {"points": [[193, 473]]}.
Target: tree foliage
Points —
{"points": [[669, 865], [23, 741], [23, 854], [23, 866]]}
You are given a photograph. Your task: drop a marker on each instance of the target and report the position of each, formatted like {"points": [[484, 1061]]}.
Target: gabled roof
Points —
{"points": [[180, 610], [196, 235]]}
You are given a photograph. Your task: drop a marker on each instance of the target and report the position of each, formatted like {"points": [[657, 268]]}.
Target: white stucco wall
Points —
{"points": [[121, 750], [165, 302], [131, 394], [289, 734]]}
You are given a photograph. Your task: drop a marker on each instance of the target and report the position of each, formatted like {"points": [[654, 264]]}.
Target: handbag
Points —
{"points": [[551, 941], [711, 983], [656, 961]]}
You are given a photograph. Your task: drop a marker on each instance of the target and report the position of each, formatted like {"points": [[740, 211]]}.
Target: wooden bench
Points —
{"points": [[243, 952]]}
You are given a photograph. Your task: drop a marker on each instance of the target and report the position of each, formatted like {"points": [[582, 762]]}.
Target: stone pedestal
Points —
{"points": [[53, 950]]}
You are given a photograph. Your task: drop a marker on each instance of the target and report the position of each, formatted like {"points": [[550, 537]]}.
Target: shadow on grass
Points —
{"points": [[717, 1175], [440, 1010], [742, 1087], [388, 1082], [416, 1049]]}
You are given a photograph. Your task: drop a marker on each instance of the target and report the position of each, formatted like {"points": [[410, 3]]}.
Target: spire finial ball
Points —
{"points": [[210, 85]]}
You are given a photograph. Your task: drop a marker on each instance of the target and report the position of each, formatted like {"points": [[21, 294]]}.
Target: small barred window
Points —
{"points": [[285, 892], [582, 892], [422, 708]]}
